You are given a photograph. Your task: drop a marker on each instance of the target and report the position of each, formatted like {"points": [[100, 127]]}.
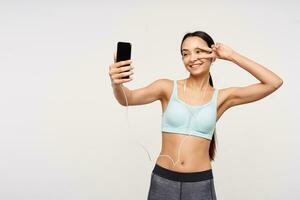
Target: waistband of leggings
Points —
{"points": [[182, 176]]}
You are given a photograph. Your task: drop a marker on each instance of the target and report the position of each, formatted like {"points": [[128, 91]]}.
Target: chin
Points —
{"points": [[197, 71]]}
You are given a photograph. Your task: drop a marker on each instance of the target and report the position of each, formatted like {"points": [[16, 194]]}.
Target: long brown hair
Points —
{"points": [[209, 41]]}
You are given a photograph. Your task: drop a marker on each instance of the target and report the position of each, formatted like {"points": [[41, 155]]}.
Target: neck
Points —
{"points": [[198, 83]]}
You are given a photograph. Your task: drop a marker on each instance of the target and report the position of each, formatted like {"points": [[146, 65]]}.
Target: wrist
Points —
{"points": [[114, 85], [233, 57]]}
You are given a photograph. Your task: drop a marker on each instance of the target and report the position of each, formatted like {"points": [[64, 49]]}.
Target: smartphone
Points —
{"points": [[124, 53]]}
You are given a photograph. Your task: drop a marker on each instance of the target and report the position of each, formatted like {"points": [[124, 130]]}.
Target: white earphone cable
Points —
{"points": [[128, 123], [187, 127], [186, 130]]}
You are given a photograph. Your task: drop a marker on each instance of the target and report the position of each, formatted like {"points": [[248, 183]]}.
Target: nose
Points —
{"points": [[194, 57]]}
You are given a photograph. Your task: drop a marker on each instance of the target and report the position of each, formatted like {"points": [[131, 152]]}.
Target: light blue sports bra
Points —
{"points": [[198, 120]]}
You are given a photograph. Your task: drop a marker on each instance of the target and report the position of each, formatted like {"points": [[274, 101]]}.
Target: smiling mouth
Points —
{"points": [[196, 65]]}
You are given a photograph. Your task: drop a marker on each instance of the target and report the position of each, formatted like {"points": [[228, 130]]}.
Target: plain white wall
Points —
{"points": [[64, 136]]}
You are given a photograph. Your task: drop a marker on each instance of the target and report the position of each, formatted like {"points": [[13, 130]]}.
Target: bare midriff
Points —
{"points": [[194, 153]]}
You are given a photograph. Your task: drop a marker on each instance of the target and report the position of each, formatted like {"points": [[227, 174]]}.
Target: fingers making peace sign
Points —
{"points": [[218, 50]]}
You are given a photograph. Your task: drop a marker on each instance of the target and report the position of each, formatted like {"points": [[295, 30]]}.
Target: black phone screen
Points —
{"points": [[124, 53]]}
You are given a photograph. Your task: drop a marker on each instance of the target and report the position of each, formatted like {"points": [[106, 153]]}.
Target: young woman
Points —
{"points": [[191, 107]]}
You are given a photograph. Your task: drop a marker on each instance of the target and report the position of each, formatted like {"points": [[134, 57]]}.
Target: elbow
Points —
{"points": [[122, 103], [278, 84], [125, 102]]}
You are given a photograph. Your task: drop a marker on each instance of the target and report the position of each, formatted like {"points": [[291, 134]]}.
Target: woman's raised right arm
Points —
{"points": [[148, 94]]}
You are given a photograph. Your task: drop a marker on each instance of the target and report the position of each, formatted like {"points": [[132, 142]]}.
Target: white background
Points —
{"points": [[64, 136]]}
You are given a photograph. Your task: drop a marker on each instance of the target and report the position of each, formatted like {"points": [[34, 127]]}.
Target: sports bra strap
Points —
{"points": [[175, 92]]}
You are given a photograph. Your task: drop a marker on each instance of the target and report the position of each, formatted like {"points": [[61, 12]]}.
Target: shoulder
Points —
{"points": [[225, 96], [165, 86], [162, 84], [226, 92], [164, 81]]}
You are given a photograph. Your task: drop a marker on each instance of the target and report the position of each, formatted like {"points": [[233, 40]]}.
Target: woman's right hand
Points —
{"points": [[117, 70]]}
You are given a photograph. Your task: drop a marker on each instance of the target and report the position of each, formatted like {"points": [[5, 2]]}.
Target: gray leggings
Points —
{"points": [[171, 185]]}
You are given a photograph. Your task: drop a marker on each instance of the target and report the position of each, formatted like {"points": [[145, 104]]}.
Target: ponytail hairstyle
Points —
{"points": [[204, 36]]}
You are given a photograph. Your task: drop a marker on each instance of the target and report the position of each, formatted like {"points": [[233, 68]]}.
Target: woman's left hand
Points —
{"points": [[220, 51]]}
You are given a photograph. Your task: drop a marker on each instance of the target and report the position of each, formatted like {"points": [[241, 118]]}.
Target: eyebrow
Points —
{"points": [[194, 48]]}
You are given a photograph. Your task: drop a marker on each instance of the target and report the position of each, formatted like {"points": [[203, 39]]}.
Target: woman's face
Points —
{"points": [[191, 51]]}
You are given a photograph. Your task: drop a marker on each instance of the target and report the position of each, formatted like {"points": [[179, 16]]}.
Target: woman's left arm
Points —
{"points": [[269, 81]]}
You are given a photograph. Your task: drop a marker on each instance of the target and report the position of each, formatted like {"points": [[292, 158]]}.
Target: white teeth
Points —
{"points": [[196, 65]]}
